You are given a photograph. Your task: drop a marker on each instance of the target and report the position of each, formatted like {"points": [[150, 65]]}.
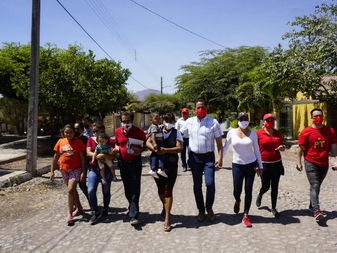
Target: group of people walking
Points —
{"points": [[253, 153]]}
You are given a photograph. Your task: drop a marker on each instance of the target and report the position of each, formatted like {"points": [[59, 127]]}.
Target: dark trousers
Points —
{"points": [[243, 172], [203, 165], [183, 153], [271, 177], [316, 175], [131, 172]]}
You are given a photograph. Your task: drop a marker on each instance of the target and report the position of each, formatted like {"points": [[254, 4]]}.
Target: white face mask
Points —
{"points": [[243, 124], [168, 126], [126, 127]]}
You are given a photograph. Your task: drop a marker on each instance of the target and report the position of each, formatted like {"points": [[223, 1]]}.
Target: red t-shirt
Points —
{"points": [[92, 145], [121, 139], [69, 151], [317, 144], [268, 143]]}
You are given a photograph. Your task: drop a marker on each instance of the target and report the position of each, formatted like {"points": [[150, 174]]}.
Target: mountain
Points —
{"points": [[142, 94]]}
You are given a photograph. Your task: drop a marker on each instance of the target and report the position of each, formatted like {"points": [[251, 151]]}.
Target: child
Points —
{"points": [[103, 147], [156, 135], [69, 151]]}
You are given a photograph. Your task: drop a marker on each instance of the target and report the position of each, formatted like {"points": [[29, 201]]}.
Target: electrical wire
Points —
{"points": [[94, 39], [177, 25]]}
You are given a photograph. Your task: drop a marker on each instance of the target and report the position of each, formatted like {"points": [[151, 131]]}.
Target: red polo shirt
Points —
{"points": [[268, 143], [317, 144], [121, 139]]}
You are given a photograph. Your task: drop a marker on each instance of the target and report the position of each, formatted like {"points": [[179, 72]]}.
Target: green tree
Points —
{"points": [[217, 75]]}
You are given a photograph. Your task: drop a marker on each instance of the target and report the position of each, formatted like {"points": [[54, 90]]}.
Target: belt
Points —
{"points": [[202, 154]]}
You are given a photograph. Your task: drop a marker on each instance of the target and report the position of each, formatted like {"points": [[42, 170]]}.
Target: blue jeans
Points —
{"points": [[131, 172], [157, 161], [183, 153], [94, 177], [244, 172], [203, 165]]}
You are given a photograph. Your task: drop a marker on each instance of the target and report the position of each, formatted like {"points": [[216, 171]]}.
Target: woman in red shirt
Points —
{"points": [[271, 143]]}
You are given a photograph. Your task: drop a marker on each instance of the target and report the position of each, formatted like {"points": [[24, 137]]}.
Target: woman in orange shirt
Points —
{"points": [[69, 151]]}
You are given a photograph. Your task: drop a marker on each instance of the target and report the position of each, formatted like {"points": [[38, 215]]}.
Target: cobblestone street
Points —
{"points": [[32, 218]]}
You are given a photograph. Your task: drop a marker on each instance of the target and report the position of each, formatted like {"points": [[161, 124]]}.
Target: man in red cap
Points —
{"points": [[314, 143], [179, 124]]}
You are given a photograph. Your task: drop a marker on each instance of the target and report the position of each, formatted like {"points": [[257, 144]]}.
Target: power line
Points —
{"points": [[94, 39], [175, 24]]}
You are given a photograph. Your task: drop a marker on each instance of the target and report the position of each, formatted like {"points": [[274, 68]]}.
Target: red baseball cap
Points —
{"points": [[268, 115], [184, 110]]}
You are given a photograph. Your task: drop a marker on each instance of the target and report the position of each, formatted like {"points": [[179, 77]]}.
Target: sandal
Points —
{"points": [[77, 212], [167, 227], [70, 220]]}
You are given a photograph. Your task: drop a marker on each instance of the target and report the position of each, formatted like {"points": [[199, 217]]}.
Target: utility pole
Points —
{"points": [[32, 126], [161, 85]]}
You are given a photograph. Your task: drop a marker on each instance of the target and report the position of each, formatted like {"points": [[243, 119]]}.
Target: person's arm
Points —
{"points": [[228, 141], [257, 154], [149, 145], [334, 153], [218, 163], [153, 138], [53, 166], [282, 147], [175, 150], [94, 156], [300, 149]]}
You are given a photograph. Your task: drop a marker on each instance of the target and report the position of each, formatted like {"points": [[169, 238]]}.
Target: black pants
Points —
{"points": [[271, 177], [131, 172]]}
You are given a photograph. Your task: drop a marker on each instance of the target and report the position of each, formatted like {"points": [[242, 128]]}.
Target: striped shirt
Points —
{"points": [[179, 125], [202, 133]]}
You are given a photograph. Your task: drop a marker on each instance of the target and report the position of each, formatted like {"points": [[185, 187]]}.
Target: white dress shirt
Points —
{"points": [[245, 150], [179, 125], [202, 133]]}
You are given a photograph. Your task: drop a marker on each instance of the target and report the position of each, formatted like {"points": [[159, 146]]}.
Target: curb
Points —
{"points": [[17, 158], [19, 177]]}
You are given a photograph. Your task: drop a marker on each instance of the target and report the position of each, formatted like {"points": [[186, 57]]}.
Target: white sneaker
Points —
{"points": [[162, 173], [153, 173]]}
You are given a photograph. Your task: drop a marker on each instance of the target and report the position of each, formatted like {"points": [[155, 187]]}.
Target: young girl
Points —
{"points": [[69, 151], [103, 147], [156, 135]]}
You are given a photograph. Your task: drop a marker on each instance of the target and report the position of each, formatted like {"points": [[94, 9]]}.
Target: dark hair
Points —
{"points": [[316, 109], [169, 117], [80, 124], [154, 113], [101, 123], [126, 113], [71, 126], [200, 100], [88, 119], [102, 135]]}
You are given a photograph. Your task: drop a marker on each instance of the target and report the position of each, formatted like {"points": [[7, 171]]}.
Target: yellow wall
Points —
{"points": [[302, 117]]}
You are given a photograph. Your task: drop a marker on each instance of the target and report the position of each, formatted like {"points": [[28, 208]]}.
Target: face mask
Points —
{"points": [[126, 127], [185, 115], [269, 125], [201, 112], [318, 121], [168, 126], [243, 124]]}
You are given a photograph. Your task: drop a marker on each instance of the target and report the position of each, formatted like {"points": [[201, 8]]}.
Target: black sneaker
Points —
{"points": [[104, 214], [275, 213], [95, 218], [114, 179], [258, 200]]}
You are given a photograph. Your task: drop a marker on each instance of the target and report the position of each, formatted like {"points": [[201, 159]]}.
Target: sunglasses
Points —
{"points": [[270, 120]]}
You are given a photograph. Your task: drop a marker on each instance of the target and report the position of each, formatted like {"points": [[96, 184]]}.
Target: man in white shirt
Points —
{"points": [[202, 131], [179, 124]]}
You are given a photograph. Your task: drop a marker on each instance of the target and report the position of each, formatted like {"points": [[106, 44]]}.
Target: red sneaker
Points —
{"points": [[319, 215], [246, 222], [237, 207]]}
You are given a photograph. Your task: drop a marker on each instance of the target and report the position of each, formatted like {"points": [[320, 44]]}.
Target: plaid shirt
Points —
{"points": [[202, 133]]}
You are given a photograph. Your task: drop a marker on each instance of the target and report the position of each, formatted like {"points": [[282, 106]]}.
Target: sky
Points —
{"points": [[147, 45]]}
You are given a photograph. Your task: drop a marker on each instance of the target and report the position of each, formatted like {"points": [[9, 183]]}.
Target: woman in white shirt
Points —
{"points": [[246, 160]]}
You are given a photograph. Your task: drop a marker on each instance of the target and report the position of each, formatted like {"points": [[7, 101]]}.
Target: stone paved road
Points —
{"points": [[32, 219]]}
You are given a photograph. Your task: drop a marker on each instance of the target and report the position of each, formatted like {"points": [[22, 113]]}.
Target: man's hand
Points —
{"points": [[281, 148], [259, 172], [218, 164], [299, 167]]}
